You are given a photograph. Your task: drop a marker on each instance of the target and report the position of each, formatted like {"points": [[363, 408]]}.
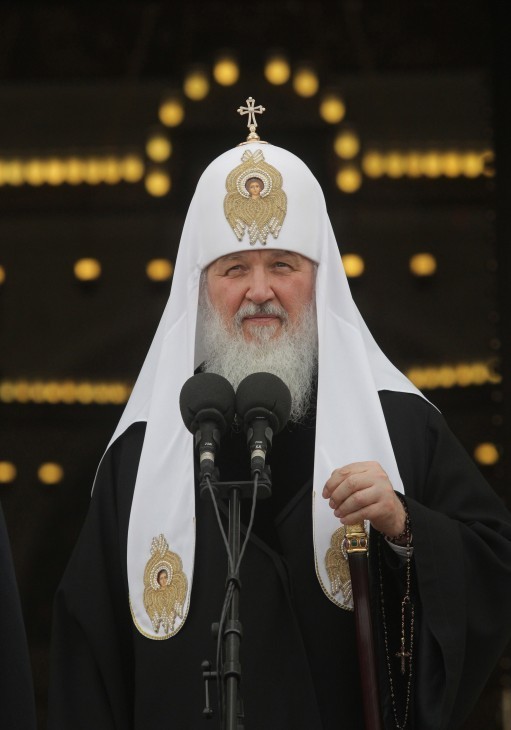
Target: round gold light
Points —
{"points": [[84, 393], [413, 164], [451, 164], [157, 182], [33, 172], [277, 70], [373, 164], [13, 172], [423, 264], [2, 274], [158, 147], [50, 473], [226, 71], [395, 165], [305, 82], [353, 265], [75, 171], [132, 169], [171, 112], [22, 391], [93, 171], [349, 179], [486, 454], [431, 164], [196, 85], [55, 171], [112, 171], [8, 472], [87, 269], [332, 109], [347, 144], [159, 269], [472, 164]]}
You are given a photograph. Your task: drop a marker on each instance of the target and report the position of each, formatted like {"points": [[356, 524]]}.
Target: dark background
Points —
{"points": [[87, 80]]}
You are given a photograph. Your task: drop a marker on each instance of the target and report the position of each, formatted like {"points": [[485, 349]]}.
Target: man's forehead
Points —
{"points": [[267, 254]]}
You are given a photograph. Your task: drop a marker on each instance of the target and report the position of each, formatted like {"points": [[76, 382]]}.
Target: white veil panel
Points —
{"points": [[350, 424]]}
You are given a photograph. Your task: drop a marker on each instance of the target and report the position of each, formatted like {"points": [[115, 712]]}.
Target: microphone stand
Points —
{"points": [[230, 671]]}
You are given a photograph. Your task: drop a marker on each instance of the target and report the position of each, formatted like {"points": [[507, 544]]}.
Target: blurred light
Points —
{"points": [[349, 179], [33, 172], [332, 108], [50, 473], [451, 164], [196, 85], [423, 264], [347, 144], [111, 171], [84, 393], [472, 164], [159, 269], [22, 391], [449, 376], [431, 164], [87, 269], [64, 391], [372, 164], [75, 171], [93, 171], [486, 454], [277, 70], [305, 82], [8, 472], [132, 169], [55, 171], [157, 182], [171, 112], [13, 172], [353, 265], [158, 147], [413, 164], [2, 274], [226, 71], [395, 165]]}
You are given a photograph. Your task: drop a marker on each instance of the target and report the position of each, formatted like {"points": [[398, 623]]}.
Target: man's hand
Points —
{"points": [[362, 491]]}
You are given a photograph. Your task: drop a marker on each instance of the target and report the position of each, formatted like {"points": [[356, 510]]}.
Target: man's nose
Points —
{"points": [[259, 289]]}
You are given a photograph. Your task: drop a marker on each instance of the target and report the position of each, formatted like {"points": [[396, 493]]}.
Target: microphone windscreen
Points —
{"points": [[207, 396], [266, 393]]}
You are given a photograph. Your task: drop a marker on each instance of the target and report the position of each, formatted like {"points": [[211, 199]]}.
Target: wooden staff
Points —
{"points": [[356, 544]]}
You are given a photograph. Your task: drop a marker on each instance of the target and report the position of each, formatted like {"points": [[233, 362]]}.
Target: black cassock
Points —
{"points": [[17, 707], [299, 662]]}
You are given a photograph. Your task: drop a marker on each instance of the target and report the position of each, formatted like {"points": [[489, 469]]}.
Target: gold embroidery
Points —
{"points": [[337, 567], [255, 199], [165, 586]]}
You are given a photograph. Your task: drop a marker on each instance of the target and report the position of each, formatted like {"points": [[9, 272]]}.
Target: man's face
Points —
{"points": [[279, 278]]}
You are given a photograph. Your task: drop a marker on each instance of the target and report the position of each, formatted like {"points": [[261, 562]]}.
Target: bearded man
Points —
{"points": [[268, 294]]}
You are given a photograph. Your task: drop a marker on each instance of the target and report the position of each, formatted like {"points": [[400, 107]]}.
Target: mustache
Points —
{"points": [[250, 309]]}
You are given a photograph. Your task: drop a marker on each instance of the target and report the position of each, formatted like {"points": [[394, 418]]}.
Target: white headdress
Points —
{"points": [[350, 424]]}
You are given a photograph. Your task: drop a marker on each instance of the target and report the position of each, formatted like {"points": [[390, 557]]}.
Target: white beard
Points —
{"points": [[292, 355]]}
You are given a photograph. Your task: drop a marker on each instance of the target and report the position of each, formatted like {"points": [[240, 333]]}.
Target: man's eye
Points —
{"points": [[233, 269], [282, 265]]}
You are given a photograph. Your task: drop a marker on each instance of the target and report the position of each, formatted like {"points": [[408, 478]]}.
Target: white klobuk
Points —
{"points": [[350, 425]]}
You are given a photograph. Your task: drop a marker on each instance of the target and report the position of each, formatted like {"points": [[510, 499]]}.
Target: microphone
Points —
{"points": [[263, 404], [207, 404]]}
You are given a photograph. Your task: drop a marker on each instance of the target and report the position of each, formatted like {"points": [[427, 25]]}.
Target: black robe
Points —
{"points": [[17, 706], [299, 665]]}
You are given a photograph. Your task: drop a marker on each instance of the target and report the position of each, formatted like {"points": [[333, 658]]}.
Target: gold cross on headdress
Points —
{"points": [[251, 110]]}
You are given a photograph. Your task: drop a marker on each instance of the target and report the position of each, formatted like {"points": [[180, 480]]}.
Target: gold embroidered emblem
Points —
{"points": [[337, 566], [165, 586], [255, 199]]}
